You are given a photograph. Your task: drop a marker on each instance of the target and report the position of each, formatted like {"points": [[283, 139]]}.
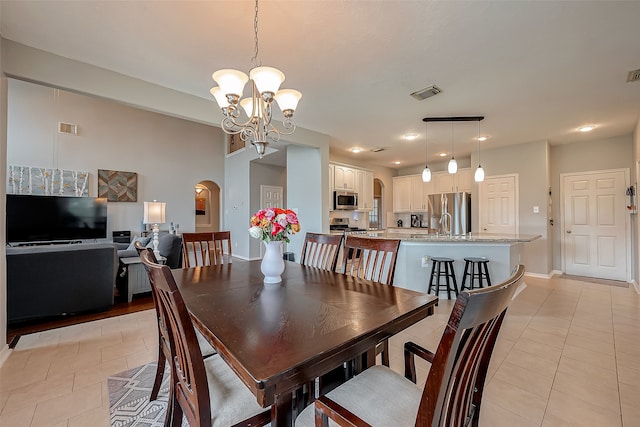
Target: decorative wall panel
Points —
{"points": [[47, 181], [118, 186]]}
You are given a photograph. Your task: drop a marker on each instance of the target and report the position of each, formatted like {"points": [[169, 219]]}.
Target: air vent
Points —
{"points": [[377, 150], [634, 75], [427, 92], [67, 128]]}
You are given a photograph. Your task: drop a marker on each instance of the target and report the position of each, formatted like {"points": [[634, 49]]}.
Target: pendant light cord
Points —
{"points": [[255, 61], [426, 144], [452, 138], [478, 142]]}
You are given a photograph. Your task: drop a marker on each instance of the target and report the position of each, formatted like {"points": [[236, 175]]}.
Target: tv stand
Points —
{"points": [[57, 242]]}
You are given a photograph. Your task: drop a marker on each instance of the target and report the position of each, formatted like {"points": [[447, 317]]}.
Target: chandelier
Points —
{"points": [[265, 88]]}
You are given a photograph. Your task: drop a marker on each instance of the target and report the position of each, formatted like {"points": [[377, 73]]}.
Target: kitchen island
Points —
{"points": [[413, 266]]}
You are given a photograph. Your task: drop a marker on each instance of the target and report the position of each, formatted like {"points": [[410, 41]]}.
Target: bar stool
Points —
{"points": [[479, 272], [443, 267]]}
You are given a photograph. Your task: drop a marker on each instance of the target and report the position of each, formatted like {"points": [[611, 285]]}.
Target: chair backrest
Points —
{"points": [[453, 391], [197, 249], [321, 250], [371, 259], [188, 373], [222, 247]]}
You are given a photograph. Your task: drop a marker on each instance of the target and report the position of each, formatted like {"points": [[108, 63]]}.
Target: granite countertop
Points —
{"points": [[471, 237]]}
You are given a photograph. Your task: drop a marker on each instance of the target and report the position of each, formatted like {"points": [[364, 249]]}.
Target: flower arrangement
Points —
{"points": [[274, 224]]}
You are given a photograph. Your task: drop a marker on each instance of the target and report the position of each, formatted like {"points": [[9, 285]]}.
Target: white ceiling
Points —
{"points": [[535, 70]]}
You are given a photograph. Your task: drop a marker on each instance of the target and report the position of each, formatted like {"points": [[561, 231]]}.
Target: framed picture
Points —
{"points": [[118, 186], [201, 206]]}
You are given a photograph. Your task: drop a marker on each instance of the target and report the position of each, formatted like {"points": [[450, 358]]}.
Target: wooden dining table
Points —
{"points": [[280, 337]]}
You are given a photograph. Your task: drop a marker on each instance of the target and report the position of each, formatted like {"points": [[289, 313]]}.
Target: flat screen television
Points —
{"points": [[32, 219]]}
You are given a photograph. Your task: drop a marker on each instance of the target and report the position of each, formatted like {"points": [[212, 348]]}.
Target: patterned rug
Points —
{"points": [[129, 403]]}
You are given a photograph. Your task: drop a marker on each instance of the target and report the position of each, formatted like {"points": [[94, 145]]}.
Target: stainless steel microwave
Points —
{"points": [[345, 200]]}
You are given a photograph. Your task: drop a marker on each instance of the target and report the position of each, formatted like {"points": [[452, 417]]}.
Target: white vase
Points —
{"points": [[272, 263]]}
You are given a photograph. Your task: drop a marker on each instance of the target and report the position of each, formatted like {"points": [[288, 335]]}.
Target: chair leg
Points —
{"points": [[464, 276], [486, 272], [159, 371], [385, 353]]}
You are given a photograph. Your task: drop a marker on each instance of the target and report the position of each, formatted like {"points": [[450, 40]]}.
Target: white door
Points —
{"points": [[498, 204], [594, 226], [271, 197]]}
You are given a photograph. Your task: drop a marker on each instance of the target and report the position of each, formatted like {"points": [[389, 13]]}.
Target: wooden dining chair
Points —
{"points": [[222, 247], [453, 391], [372, 259], [206, 392], [164, 351], [321, 250], [197, 249]]}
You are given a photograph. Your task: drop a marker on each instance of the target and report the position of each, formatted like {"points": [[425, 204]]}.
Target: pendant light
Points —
{"points": [[426, 173], [452, 167], [479, 175]]}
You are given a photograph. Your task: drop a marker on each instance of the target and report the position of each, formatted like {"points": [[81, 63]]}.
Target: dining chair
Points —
{"points": [[321, 250], [206, 392], [164, 351], [197, 249], [222, 247], [372, 259], [453, 391]]}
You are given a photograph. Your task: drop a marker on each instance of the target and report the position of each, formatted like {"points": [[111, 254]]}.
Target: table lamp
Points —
{"points": [[154, 213]]}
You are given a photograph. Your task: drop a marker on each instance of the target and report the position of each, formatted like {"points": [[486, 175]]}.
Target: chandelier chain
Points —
{"points": [[255, 61]]}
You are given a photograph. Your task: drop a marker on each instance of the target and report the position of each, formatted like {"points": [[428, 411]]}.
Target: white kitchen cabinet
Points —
{"points": [[402, 193], [331, 185], [418, 195], [344, 178], [444, 182], [364, 188]]}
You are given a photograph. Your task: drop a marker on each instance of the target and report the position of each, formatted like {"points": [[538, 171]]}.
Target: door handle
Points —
{"points": [[568, 231]]}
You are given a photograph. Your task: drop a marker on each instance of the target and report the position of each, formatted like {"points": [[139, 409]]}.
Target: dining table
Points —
{"points": [[280, 338]]}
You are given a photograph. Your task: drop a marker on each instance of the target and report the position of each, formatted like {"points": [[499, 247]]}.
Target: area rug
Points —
{"points": [[129, 403]]}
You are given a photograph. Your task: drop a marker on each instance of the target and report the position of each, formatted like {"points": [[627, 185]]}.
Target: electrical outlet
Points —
{"points": [[425, 261], [536, 209]]}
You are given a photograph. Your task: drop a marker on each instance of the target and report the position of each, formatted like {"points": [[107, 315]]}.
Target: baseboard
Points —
{"points": [[635, 286], [543, 276], [244, 258], [4, 354]]}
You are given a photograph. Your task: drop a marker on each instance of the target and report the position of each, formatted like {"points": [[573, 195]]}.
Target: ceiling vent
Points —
{"points": [[634, 75], [427, 92], [67, 128], [377, 150]]}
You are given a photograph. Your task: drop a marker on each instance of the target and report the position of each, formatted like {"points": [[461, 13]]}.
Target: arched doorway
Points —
{"points": [[207, 206], [376, 217]]}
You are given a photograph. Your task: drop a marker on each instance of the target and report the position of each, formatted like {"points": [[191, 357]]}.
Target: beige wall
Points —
{"points": [[4, 352], [635, 221], [611, 153], [170, 155]]}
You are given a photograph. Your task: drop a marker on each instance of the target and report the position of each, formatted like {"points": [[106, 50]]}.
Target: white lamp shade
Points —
{"points": [[452, 167], [247, 106], [287, 99], [426, 174], [479, 175], [220, 97], [267, 79], [231, 82], [154, 212]]}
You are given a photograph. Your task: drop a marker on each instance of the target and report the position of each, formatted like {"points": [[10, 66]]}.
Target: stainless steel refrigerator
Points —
{"points": [[450, 212]]}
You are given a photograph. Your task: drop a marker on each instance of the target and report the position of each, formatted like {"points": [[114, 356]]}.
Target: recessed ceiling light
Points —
{"points": [[410, 136], [396, 162], [482, 138], [356, 150], [586, 128], [442, 154]]}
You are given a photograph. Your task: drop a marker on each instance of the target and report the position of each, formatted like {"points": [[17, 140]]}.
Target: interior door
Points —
{"points": [[498, 204], [595, 224]]}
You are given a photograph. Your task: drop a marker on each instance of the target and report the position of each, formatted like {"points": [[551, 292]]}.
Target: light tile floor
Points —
{"points": [[568, 355]]}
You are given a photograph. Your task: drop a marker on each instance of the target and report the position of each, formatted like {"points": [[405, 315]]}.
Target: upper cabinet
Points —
{"points": [[349, 178], [344, 178], [444, 182], [402, 193], [364, 188]]}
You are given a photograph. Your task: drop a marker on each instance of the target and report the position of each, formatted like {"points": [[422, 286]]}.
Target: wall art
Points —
{"points": [[47, 181], [118, 186]]}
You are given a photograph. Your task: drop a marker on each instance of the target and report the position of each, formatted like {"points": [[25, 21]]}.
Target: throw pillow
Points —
{"points": [[143, 241]]}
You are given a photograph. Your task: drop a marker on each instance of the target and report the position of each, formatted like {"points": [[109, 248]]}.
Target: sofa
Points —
{"points": [[169, 246], [53, 280]]}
